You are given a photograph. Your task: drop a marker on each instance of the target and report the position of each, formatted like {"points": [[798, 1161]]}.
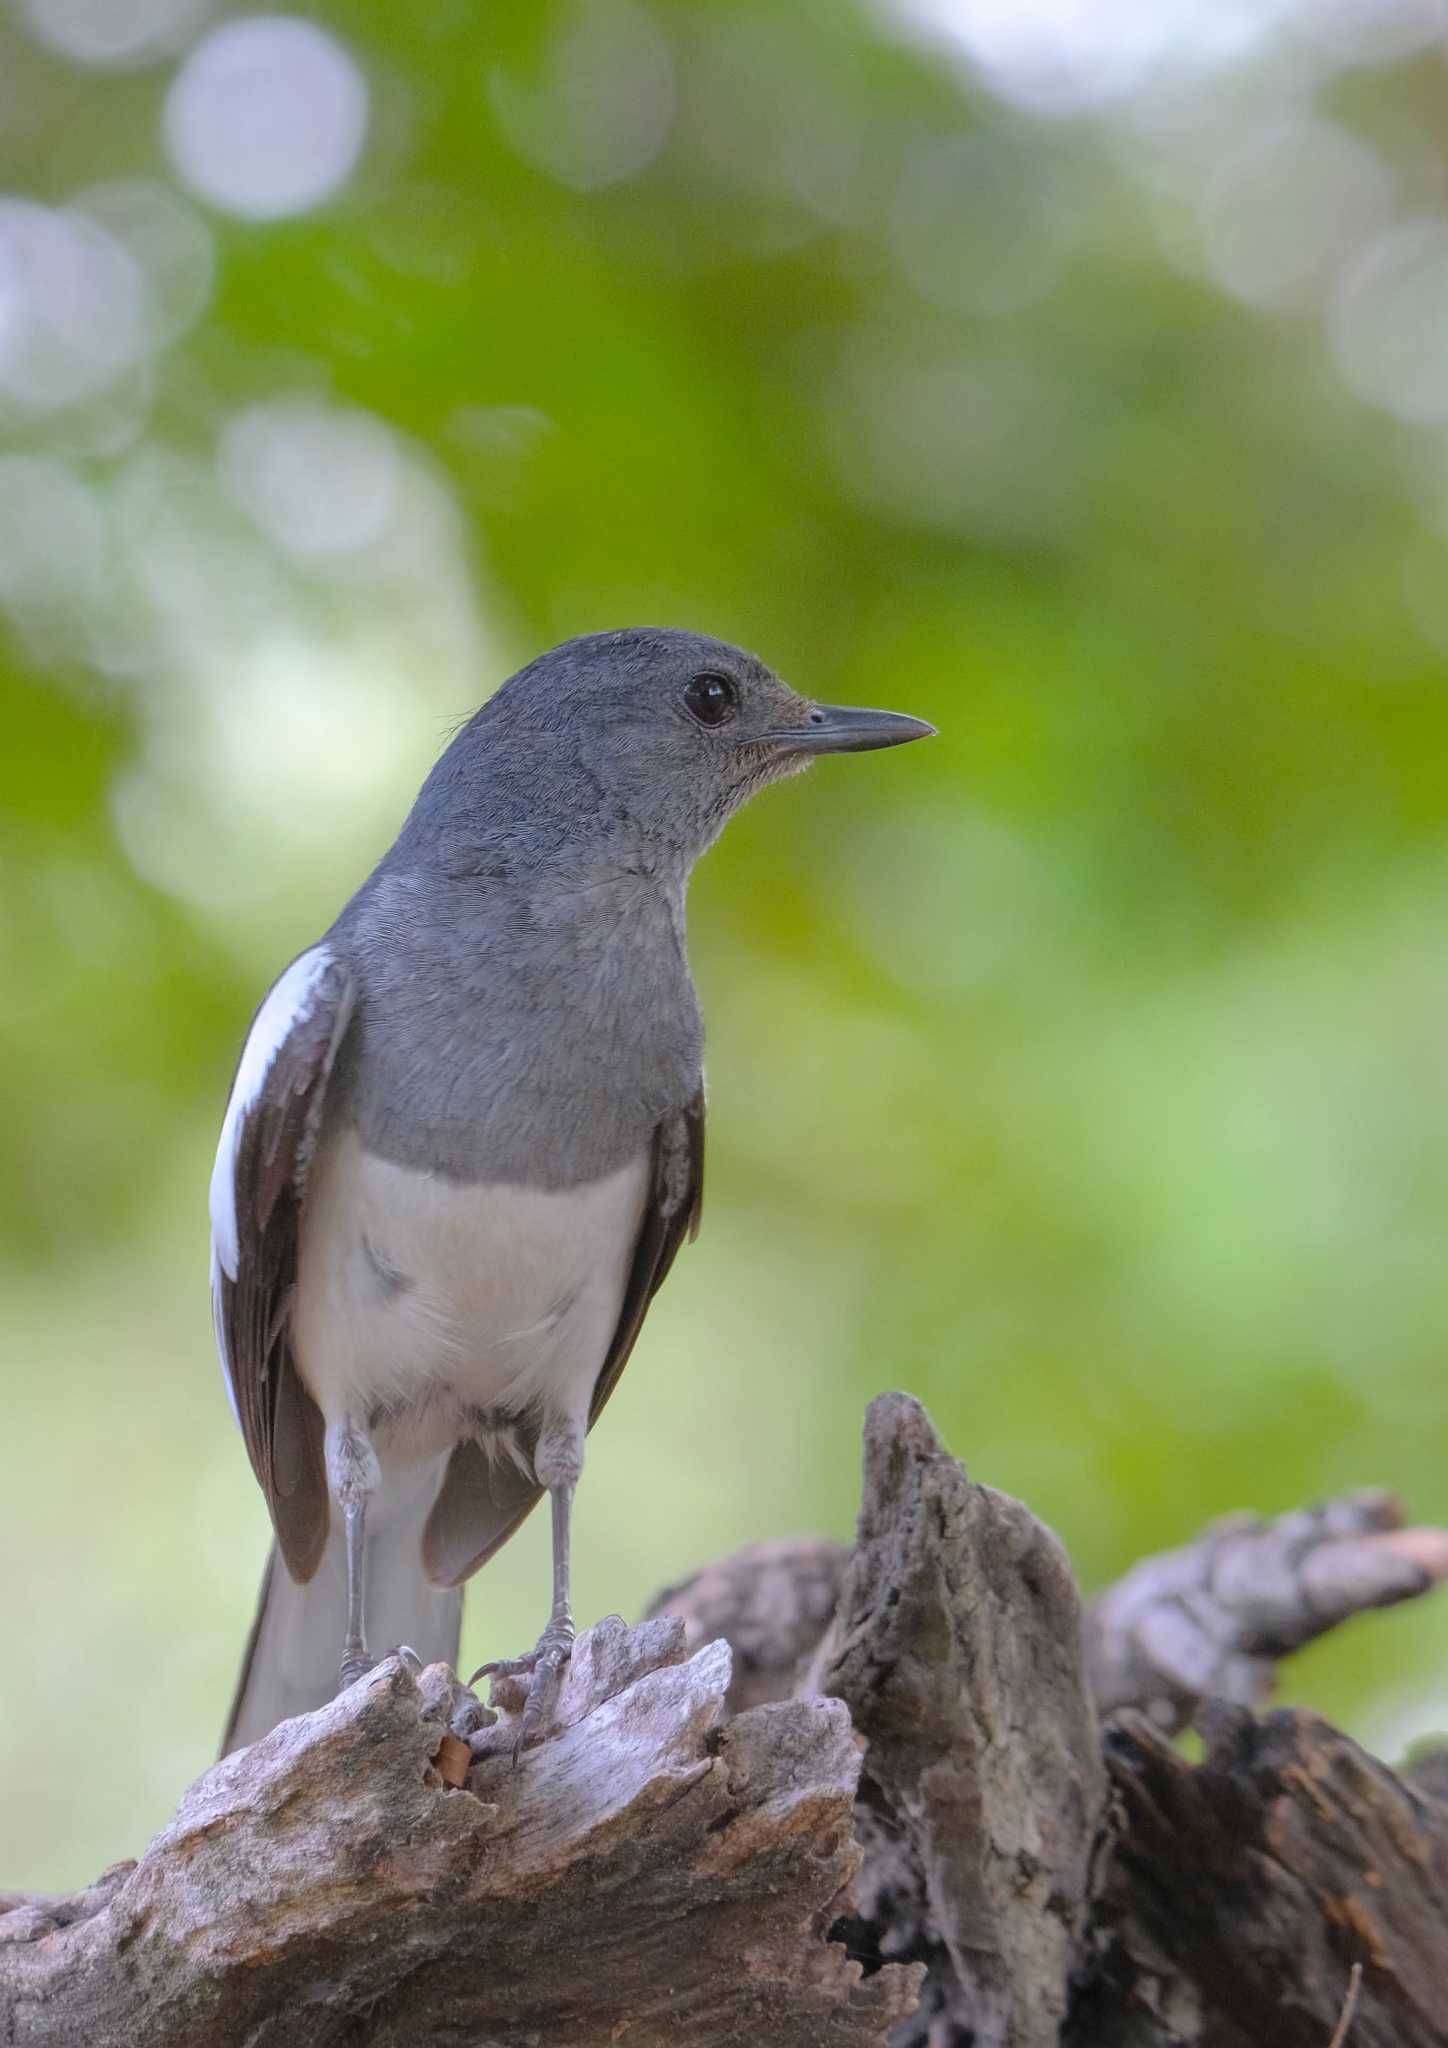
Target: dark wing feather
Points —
{"points": [[676, 1203], [273, 1136], [483, 1499]]}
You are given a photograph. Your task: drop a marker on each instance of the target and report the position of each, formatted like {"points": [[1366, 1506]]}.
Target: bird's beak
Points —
{"points": [[846, 729]]}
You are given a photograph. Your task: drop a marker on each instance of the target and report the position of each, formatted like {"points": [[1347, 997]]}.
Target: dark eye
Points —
{"points": [[711, 699]]}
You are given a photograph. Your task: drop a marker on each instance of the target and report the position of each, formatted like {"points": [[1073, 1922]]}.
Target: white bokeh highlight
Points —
{"points": [[1286, 208], [267, 117], [301, 622], [170, 244], [320, 480], [1388, 324], [1063, 57], [602, 111], [113, 35], [73, 312]]}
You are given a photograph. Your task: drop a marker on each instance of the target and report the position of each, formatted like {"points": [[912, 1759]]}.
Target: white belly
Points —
{"points": [[419, 1300]]}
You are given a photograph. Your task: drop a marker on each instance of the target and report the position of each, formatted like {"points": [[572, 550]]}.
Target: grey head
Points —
{"points": [[638, 744]]}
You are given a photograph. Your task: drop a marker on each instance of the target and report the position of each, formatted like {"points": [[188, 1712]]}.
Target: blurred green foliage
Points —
{"points": [[1082, 1072]]}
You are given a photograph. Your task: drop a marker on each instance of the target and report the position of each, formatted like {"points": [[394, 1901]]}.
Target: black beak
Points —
{"points": [[845, 729]]}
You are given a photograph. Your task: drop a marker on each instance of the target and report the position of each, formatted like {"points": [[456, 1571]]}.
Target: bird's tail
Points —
{"points": [[290, 1665]]}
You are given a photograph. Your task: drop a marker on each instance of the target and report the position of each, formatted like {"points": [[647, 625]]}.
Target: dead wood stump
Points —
{"points": [[823, 1796]]}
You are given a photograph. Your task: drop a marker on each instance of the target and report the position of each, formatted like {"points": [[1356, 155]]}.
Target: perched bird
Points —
{"points": [[465, 1140]]}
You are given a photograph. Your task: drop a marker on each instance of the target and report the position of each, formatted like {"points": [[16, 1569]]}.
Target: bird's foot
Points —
{"points": [[466, 1714], [542, 1669], [356, 1664]]}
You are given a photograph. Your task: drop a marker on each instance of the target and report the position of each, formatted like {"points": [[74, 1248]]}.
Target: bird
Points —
{"points": [[464, 1142]]}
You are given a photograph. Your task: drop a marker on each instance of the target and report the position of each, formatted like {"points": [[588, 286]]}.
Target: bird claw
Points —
{"points": [[542, 1666], [355, 1667], [467, 1716]]}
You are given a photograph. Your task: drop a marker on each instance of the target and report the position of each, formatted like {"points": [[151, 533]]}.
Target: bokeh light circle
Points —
{"points": [[113, 35], [168, 241], [267, 117], [318, 479], [1286, 208], [1389, 322], [603, 111], [72, 306]]}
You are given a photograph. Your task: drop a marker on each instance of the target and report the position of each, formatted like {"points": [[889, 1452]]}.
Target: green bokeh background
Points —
{"points": [[1082, 1072]]}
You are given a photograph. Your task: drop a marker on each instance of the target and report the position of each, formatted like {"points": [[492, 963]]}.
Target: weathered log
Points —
{"points": [[953, 1645], [910, 1801], [771, 1603], [1236, 1894], [956, 1647], [650, 1874], [1210, 1621], [1213, 1620]]}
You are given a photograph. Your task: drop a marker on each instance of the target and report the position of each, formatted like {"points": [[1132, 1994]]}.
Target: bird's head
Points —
{"points": [[668, 733]]}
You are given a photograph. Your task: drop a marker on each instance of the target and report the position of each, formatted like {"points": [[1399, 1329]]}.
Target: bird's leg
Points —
{"points": [[560, 1631], [352, 1474], [557, 1463]]}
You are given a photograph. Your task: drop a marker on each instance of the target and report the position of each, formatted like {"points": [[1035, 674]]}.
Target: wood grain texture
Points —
{"points": [[1237, 1893], [897, 1822], [650, 1865], [957, 1648]]}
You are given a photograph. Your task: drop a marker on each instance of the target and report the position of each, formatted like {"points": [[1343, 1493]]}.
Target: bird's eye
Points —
{"points": [[711, 699]]}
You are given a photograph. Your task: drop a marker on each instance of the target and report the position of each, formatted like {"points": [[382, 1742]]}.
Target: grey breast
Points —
{"points": [[536, 1034]]}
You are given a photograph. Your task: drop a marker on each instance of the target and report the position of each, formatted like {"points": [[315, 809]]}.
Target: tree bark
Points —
{"points": [[824, 1796], [1239, 1892]]}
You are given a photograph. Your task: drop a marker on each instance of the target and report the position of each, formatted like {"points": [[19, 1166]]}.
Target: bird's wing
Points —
{"points": [[676, 1202], [257, 1190], [485, 1496]]}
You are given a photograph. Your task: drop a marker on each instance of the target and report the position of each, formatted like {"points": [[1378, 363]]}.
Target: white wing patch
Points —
{"points": [[288, 1002]]}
